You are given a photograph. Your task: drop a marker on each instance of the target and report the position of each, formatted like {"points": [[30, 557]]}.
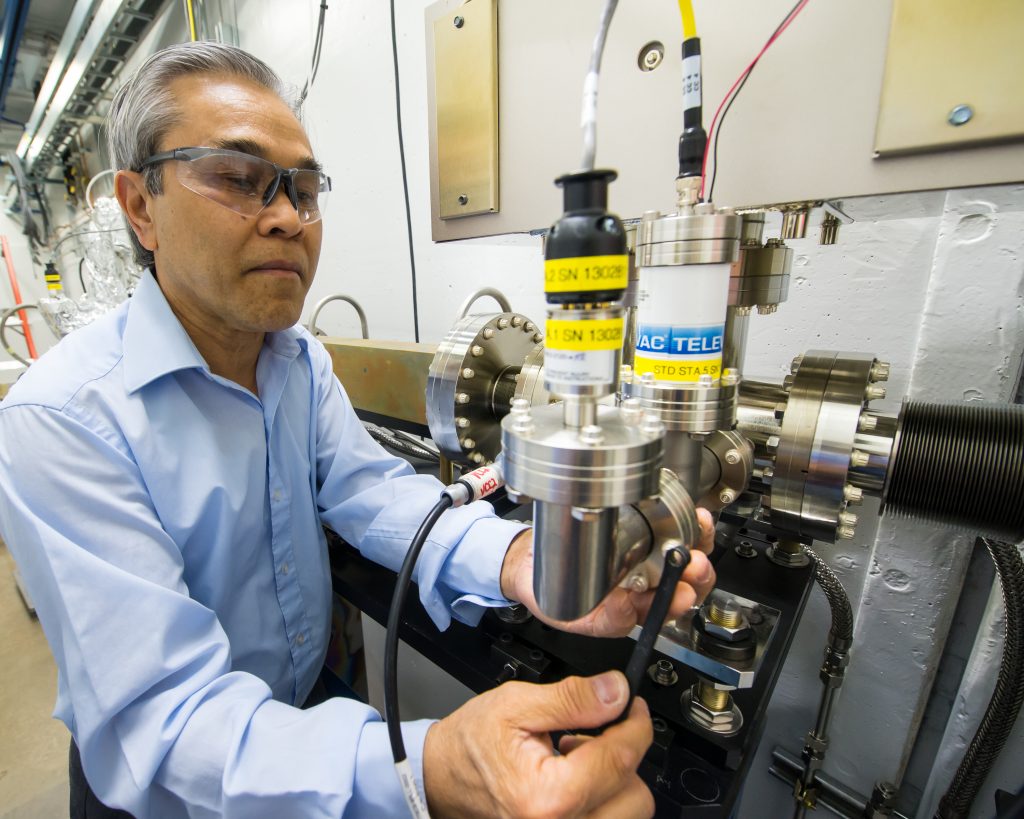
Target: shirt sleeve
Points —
{"points": [[164, 726], [376, 502]]}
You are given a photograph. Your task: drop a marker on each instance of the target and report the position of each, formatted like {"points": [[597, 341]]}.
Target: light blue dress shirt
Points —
{"points": [[167, 523]]}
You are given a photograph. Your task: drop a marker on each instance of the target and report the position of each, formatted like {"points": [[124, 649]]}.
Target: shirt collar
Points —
{"points": [[155, 343]]}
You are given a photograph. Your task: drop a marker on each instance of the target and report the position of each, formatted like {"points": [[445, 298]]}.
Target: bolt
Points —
{"points": [[867, 423], [631, 411], [742, 311], [846, 533], [592, 435], [730, 378], [712, 698], [776, 242], [502, 323], [727, 496], [705, 381], [663, 673], [538, 338], [772, 444], [468, 372], [780, 411], [520, 406], [652, 426], [477, 458], [874, 393], [463, 199], [848, 519], [462, 423], [529, 327], [859, 458], [517, 321], [462, 398], [746, 549], [767, 474], [853, 494], [960, 115], [477, 351], [880, 371], [458, 21], [638, 583], [488, 332], [767, 309], [725, 613], [625, 373], [733, 456], [468, 443], [787, 382], [647, 379]]}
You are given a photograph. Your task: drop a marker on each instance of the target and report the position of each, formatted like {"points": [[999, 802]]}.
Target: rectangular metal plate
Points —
{"points": [[466, 109], [943, 55], [385, 377]]}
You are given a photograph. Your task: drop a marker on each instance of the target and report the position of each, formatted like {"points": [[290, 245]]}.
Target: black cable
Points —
{"points": [[1008, 697], [404, 447], [394, 619], [405, 177], [318, 43], [81, 279], [732, 99]]}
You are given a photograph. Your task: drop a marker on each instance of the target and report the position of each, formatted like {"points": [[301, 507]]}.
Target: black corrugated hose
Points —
{"points": [[1008, 696]]}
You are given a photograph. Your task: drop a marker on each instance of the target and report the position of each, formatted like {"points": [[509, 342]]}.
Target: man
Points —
{"points": [[166, 474]]}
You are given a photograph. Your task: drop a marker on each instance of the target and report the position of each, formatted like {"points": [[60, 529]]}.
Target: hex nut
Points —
{"points": [[729, 635]]}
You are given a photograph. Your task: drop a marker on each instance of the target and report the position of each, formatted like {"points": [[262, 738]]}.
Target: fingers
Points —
{"points": [[570, 742], [602, 768], [575, 702], [700, 575], [698, 581], [635, 799], [706, 543]]}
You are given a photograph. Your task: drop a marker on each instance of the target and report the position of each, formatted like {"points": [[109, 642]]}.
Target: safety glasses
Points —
{"points": [[245, 183]]}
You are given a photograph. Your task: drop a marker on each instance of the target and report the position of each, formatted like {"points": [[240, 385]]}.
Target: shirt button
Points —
{"points": [[277, 495], [284, 568], [301, 639]]}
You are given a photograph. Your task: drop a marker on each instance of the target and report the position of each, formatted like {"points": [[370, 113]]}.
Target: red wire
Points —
{"points": [[739, 79]]}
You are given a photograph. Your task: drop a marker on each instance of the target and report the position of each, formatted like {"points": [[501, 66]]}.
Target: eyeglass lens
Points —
{"points": [[241, 183]]}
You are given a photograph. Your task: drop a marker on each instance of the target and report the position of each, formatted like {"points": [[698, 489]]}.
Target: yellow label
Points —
{"points": [[588, 334], [679, 370], [586, 273]]}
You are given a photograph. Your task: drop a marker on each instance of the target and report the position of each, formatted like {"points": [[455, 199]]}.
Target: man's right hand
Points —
{"points": [[494, 757]]}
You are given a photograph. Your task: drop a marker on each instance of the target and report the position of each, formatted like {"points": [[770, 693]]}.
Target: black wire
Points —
{"points": [[82, 233], [405, 177], [732, 99], [81, 279], [394, 619], [318, 43]]}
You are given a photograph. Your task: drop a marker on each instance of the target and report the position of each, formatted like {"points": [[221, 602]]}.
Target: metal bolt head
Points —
{"points": [[502, 323], [468, 372], [520, 406], [462, 423], [638, 583], [730, 377], [458, 22], [462, 398], [846, 533], [848, 519], [727, 496], [743, 310], [787, 382], [705, 381], [529, 327], [538, 338], [772, 444], [468, 443], [631, 411], [652, 426], [592, 435], [733, 456], [960, 115], [767, 309], [880, 371], [625, 373], [867, 423], [463, 199], [874, 392], [476, 351], [780, 411], [517, 321], [488, 332], [477, 458], [859, 458], [853, 494], [647, 379], [767, 474]]}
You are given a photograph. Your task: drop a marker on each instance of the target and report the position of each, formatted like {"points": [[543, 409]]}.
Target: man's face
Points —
{"points": [[218, 268]]}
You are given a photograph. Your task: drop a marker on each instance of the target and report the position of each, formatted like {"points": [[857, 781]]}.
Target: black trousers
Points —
{"points": [[85, 804]]}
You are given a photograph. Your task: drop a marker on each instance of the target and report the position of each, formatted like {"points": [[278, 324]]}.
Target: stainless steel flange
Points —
{"points": [[472, 381], [730, 457], [701, 237], [702, 408]]}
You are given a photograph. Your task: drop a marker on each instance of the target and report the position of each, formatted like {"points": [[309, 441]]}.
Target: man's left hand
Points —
{"points": [[621, 610]]}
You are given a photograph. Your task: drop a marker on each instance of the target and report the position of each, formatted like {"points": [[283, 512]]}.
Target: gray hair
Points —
{"points": [[143, 110]]}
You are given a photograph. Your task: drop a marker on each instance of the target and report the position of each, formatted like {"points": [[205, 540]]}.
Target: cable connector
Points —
{"points": [[475, 485]]}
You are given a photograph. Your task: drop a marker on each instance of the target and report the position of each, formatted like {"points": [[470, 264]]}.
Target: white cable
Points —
{"points": [[588, 117], [413, 798]]}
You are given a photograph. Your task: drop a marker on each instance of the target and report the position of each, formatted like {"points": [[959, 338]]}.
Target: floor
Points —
{"points": [[33, 745]]}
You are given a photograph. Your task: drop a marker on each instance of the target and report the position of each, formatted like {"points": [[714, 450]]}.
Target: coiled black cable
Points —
{"points": [[1008, 696], [404, 447]]}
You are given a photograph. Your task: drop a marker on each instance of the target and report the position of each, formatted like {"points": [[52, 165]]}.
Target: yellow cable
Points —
{"points": [[192, 33], [689, 23]]}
